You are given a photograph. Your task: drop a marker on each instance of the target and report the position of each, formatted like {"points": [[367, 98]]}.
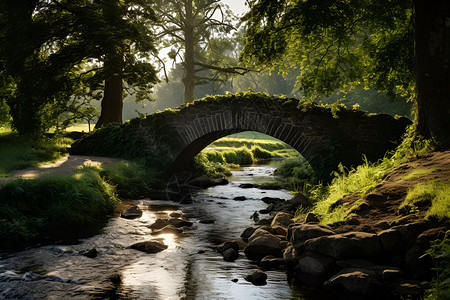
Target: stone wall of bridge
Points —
{"points": [[323, 137]]}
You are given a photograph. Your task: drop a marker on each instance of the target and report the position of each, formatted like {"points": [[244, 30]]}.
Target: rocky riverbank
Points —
{"points": [[380, 251]]}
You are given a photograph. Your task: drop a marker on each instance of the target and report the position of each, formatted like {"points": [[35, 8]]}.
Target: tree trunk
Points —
{"points": [[112, 103], [432, 37], [189, 66]]}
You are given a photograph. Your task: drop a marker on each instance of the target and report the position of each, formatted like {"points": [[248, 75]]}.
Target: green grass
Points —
{"points": [[33, 208], [362, 180], [17, 152], [132, 179], [419, 173], [433, 193], [47, 206]]}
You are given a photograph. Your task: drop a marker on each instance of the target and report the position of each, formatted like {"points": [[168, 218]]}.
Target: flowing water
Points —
{"points": [[188, 269]]}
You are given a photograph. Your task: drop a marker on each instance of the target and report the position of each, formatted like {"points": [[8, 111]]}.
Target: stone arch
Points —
{"points": [[322, 137]]}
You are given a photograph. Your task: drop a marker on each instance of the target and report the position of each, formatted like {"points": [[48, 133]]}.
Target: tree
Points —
{"points": [[52, 49], [399, 47], [188, 28]]}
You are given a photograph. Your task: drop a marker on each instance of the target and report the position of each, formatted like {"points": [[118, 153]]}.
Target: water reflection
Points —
{"points": [[188, 269]]}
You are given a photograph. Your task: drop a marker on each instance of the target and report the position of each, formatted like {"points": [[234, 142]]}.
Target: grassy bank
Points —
{"points": [[31, 210], [49, 207], [17, 152], [360, 181]]}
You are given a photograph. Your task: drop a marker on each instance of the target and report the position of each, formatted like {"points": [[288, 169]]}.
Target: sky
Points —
{"points": [[237, 6]]}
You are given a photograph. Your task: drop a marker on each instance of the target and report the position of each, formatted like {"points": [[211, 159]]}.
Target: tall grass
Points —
{"points": [[132, 179], [362, 180], [35, 208]]}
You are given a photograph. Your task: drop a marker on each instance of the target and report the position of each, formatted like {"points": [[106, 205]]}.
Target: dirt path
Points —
{"points": [[65, 166]]}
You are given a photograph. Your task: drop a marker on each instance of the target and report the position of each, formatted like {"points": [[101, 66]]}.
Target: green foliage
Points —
{"points": [[240, 156], [18, 152], [212, 169], [436, 194], [55, 51], [35, 208], [132, 179], [335, 44], [440, 253]]}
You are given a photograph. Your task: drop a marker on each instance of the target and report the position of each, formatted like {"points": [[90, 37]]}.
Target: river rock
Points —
{"points": [[246, 185], [240, 198], [291, 256], [247, 233], [132, 213], [204, 182], [230, 255], [300, 200], [272, 200], [227, 245], [361, 281], [262, 244], [282, 219], [315, 265], [89, 253], [207, 221], [281, 222], [179, 222], [391, 240], [149, 246], [265, 221], [169, 229], [159, 223], [257, 277], [201, 182], [311, 218], [347, 245], [271, 262], [299, 234], [175, 214]]}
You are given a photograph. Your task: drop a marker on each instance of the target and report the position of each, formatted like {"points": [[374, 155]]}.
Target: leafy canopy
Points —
{"points": [[335, 43], [54, 51]]}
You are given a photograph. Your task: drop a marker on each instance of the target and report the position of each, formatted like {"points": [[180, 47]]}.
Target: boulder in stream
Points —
{"points": [[262, 244], [133, 212], [257, 277], [230, 255], [149, 246], [159, 223], [246, 185], [169, 229]]}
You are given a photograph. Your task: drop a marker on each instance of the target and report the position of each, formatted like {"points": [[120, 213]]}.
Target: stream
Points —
{"points": [[188, 269]]}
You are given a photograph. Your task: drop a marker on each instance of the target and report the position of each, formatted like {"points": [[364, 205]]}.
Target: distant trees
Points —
{"points": [[189, 28], [53, 49], [398, 47]]}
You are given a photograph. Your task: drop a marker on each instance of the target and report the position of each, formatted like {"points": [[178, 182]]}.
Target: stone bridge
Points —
{"points": [[324, 136]]}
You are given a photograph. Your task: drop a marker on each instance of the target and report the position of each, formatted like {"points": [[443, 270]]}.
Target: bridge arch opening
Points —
{"points": [[243, 148]]}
